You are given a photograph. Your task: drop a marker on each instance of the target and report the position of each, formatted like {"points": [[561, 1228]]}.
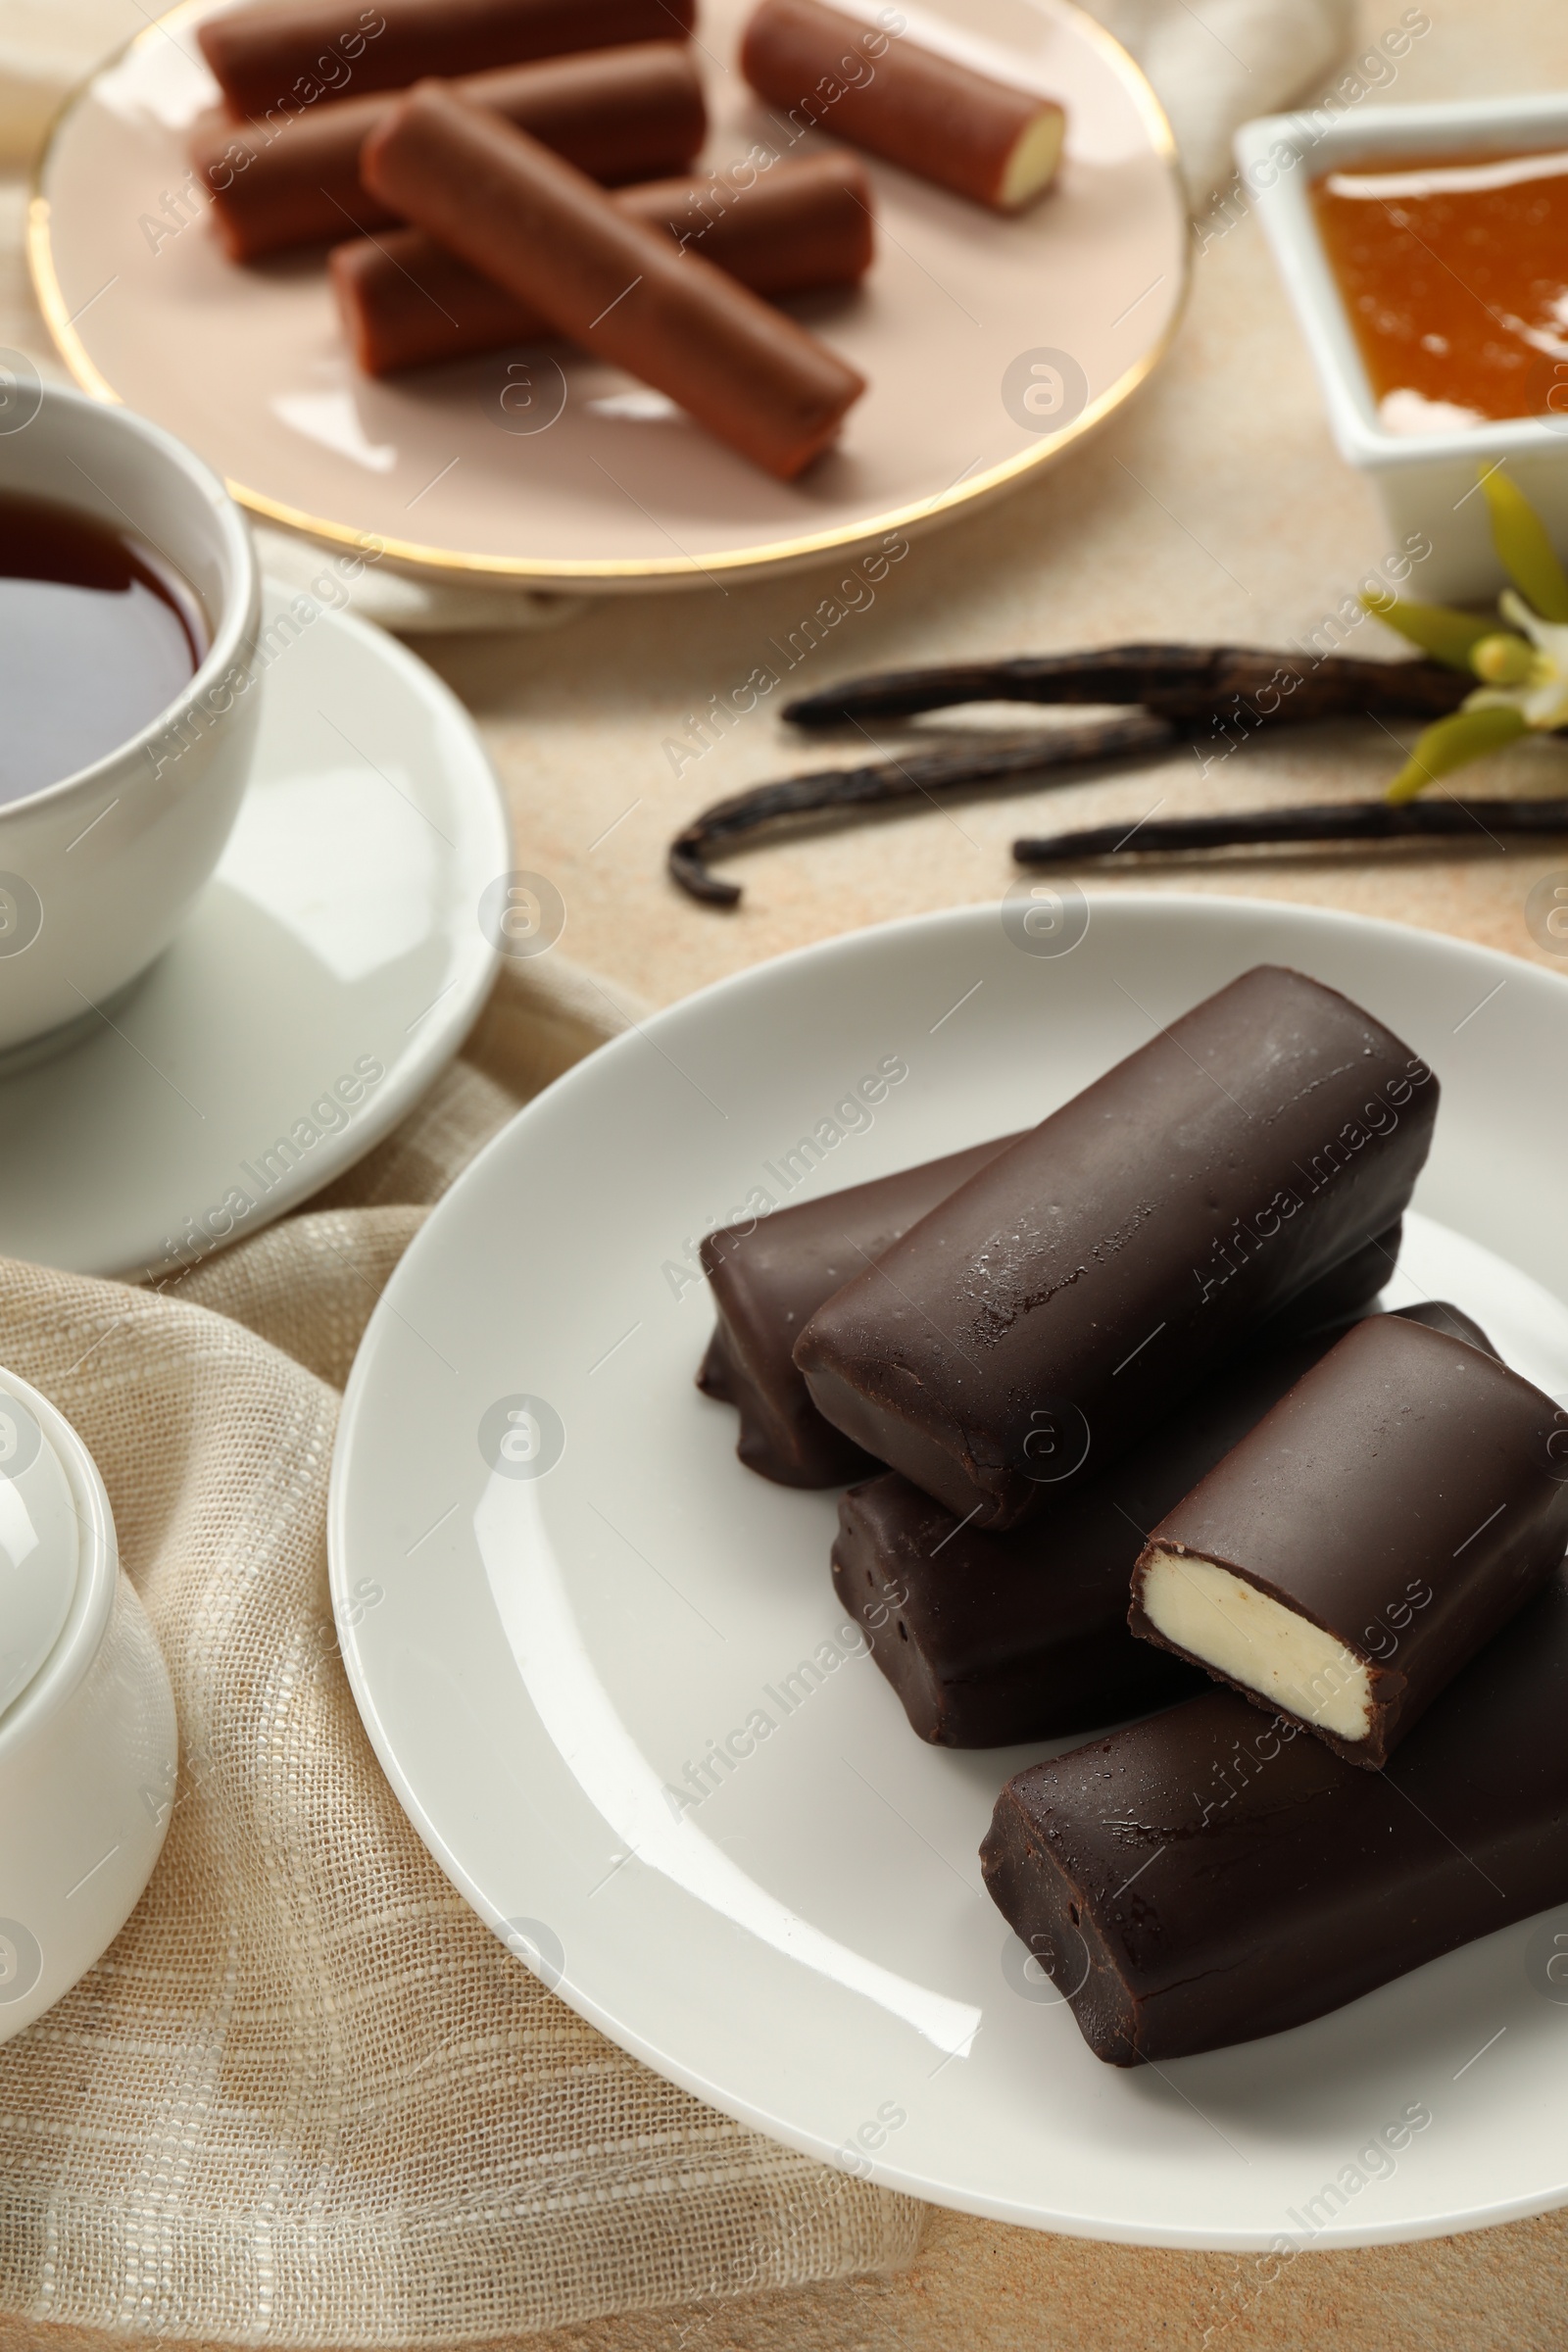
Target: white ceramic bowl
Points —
{"points": [[98, 871], [1424, 483], [88, 1751]]}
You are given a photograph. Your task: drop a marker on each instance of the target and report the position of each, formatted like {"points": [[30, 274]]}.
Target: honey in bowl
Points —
{"points": [[98, 634], [1454, 274]]}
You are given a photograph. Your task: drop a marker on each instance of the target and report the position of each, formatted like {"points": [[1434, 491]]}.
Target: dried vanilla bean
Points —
{"points": [[1341, 821], [883, 783], [1191, 682]]}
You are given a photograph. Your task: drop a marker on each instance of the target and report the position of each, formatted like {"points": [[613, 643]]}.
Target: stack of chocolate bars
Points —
{"points": [[495, 129], [1133, 1435]]}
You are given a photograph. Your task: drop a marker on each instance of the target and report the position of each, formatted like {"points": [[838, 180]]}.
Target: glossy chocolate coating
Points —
{"points": [[1208, 1876], [883, 93], [1025, 1334], [618, 113], [406, 302], [1404, 1497], [544, 231], [769, 1278], [993, 1639], [989, 1639], [318, 51]]}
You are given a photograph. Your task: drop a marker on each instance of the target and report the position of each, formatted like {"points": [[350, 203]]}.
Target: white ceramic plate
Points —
{"points": [[331, 966], [536, 1657], [445, 468]]}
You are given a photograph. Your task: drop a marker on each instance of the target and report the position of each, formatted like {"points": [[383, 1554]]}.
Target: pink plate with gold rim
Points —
{"points": [[965, 314]]}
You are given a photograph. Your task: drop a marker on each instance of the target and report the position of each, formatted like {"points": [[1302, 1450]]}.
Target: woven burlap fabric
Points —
{"points": [[306, 2098]]}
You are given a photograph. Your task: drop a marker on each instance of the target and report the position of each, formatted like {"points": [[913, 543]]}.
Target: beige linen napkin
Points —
{"points": [[306, 2098], [1216, 64]]}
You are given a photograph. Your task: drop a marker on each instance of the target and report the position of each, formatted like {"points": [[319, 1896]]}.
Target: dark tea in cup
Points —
{"points": [[99, 634]]}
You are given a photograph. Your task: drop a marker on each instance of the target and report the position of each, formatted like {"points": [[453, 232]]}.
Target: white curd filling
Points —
{"points": [[1034, 159], [1230, 1625]]}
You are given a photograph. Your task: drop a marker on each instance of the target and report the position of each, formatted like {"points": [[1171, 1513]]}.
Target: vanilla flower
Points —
{"points": [[1523, 669]]}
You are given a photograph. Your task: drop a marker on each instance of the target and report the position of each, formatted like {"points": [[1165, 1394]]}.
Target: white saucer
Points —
{"points": [[334, 964], [544, 1626]]}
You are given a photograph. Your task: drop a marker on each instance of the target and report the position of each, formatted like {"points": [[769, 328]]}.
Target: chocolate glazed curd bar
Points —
{"points": [[618, 288], [804, 225], [993, 1639], [769, 1277], [1207, 1876], [286, 54], [618, 113], [1033, 1327], [874, 86], [1405, 1480]]}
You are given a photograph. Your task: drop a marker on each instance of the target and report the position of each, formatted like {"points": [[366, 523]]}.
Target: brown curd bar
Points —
{"points": [[544, 230], [287, 53], [874, 86], [407, 302], [1373, 1531], [1063, 1301], [1208, 1876], [989, 1639], [618, 115]]}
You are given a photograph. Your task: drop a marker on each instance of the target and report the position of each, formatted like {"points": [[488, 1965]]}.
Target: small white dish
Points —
{"points": [[1424, 483], [330, 968], [88, 1746], [556, 1588]]}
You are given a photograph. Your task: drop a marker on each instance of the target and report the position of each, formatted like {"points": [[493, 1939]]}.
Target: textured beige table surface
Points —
{"points": [[1213, 509]]}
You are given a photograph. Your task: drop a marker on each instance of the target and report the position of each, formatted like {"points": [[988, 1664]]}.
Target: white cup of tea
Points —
{"points": [[130, 581]]}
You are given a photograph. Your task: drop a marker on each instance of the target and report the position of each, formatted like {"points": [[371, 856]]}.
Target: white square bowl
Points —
{"points": [[1424, 481]]}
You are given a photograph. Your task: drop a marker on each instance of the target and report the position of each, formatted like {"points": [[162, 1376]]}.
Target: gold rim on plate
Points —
{"points": [[545, 573]]}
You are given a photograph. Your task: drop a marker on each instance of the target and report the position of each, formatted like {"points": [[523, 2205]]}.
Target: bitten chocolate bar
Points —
{"points": [[1026, 1333], [1208, 1876], [620, 290], [618, 113], [406, 302], [769, 1277], [993, 1638], [1360, 1546], [281, 55], [874, 86]]}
